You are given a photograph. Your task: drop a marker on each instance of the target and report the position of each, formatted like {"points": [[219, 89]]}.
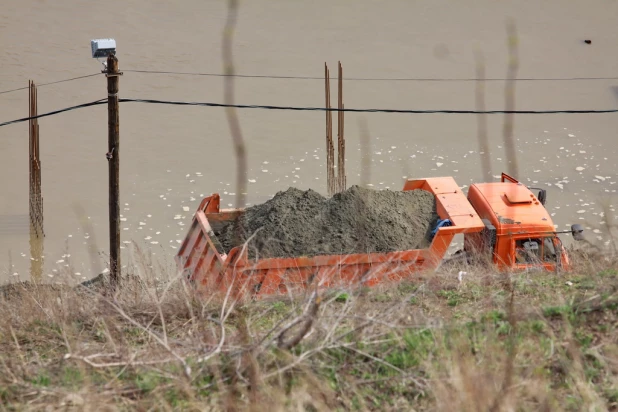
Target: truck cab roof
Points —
{"points": [[510, 207]]}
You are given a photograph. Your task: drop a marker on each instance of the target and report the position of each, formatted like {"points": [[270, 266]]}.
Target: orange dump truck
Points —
{"points": [[503, 221]]}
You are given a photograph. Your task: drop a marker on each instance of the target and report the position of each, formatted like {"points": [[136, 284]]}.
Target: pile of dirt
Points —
{"points": [[358, 220]]}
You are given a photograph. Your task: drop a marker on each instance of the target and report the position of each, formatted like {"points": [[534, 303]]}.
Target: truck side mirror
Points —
{"points": [[542, 196], [578, 232]]}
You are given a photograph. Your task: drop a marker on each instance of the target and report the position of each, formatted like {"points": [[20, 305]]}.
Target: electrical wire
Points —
{"points": [[318, 109], [50, 83], [401, 111], [398, 79], [381, 79], [66, 109]]}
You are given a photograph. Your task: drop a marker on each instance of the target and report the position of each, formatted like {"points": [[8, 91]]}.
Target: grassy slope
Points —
{"points": [[434, 343]]}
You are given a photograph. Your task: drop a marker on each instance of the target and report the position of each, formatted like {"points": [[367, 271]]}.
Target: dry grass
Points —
{"points": [[490, 341], [532, 341]]}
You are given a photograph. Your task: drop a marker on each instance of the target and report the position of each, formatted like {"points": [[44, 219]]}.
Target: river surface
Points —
{"points": [[172, 156]]}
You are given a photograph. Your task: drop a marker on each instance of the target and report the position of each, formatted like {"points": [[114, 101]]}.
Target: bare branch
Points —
{"points": [[509, 97], [187, 369], [309, 317], [483, 139], [232, 116]]}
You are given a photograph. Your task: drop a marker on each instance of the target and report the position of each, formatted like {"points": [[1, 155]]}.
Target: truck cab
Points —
{"points": [[519, 233]]}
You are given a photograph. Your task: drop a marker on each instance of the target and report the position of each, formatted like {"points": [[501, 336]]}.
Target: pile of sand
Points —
{"points": [[358, 220]]}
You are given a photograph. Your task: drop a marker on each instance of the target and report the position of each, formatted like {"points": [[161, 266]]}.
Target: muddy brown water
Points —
{"points": [[172, 156]]}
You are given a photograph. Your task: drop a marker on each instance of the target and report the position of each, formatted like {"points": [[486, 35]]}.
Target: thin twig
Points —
{"points": [[232, 116], [483, 140], [365, 146], [87, 360], [187, 369], [375, 359], [309, 317], [509, 97], [21, 356]]}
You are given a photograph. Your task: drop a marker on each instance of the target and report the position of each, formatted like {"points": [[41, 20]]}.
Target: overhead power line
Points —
{"points": [[50, 83], [66, 109], [381, 79], [314, 109], [401, 111]]}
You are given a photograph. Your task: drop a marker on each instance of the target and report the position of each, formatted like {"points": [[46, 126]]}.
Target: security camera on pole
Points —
{"points": [[107, 48]]}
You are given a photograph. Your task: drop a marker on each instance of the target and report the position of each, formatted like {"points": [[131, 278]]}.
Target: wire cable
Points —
{"points": [[401, 111], [383, 79], [314, 109], [400, 79], [67, 109], [50, 83]]}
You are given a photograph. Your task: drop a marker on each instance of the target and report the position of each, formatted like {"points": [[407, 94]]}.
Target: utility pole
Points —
{"points": [[113, 160]]}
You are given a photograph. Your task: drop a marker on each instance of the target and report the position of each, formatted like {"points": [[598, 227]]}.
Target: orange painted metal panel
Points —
{"points": [[264, 277], [507, 216]]}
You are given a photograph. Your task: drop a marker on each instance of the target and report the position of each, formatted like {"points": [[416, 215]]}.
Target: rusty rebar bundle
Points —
{"points": [[341, 178], [35, 194], [330, 149], [339, 184]]}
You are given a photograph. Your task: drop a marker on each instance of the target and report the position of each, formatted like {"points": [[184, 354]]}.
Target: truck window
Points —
{"points": [[549, 250], [535, 250]]}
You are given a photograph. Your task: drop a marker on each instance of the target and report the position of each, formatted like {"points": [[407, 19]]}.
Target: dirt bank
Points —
{"points": [[359, 220]]}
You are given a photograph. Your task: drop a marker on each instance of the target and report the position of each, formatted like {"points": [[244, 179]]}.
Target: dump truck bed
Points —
{"points": [[206, 264]]}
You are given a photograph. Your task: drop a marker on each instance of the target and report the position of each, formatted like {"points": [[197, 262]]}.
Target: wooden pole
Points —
{"points": [[113, 159]]}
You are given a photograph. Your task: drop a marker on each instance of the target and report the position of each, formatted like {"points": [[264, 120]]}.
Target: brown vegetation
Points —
{"points": [[530, 341]]}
